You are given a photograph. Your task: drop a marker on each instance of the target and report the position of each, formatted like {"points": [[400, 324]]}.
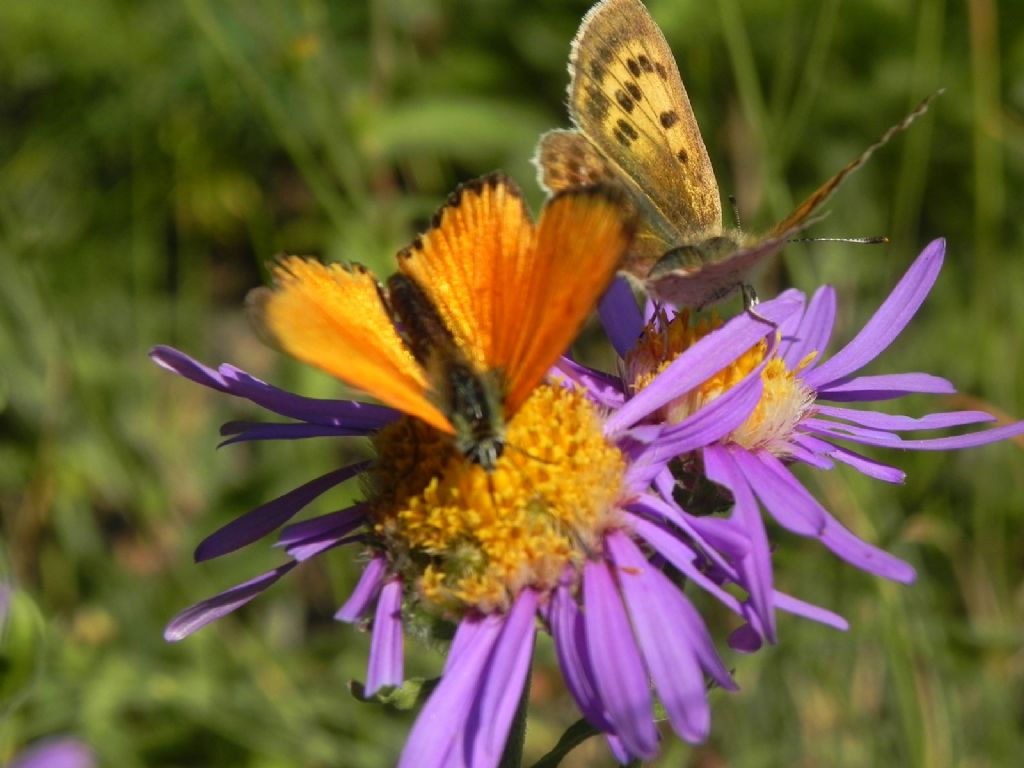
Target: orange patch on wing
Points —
{"points": [[333, 318], [515, 296], [478, 238], [581, 239]]}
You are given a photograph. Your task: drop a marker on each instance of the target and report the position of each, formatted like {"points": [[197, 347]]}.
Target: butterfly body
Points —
{"points": [[471, 400], [634, 127]]}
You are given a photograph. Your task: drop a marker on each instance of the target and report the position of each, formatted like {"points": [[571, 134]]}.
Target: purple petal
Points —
{"points": [[886, 387], [5, 605], [712, 539], [385, 667], [348, 413], [701, 361], [718, 533], [600, 387], [620, 674], [787, 329], [711, 423], [347, 519], [835, 429], [440, 724], [178, 362], [799, 451], [486, 730], [745, 639], [673, 667], [863, 555], [59, 752], [814, 331], [620, 316], [241, 384], [470, 629], [573, 658], [310, 549], [213, 608], [311, 537], [655, 602], [681, 557], [888, 322], [867, 466], [780, 493], [366, 590], [797, 607], [242, 432], [618, 749], [972, 440], [267, 517], [887, 421], [756, 568], [880, 439]]}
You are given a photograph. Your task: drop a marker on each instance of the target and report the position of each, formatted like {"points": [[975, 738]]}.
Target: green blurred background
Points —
{"points": [[154, 156]]}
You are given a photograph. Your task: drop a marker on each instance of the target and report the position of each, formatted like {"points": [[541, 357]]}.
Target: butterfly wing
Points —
{"points": [[464, 261], [514, 296], [627, 97], [580, 240], [568, 160], [688, 277], [333, 319]]}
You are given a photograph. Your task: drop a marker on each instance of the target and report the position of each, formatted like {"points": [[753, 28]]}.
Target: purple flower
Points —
{"points": [[58, 752], [559, 536], [598, 512], [798, 411]]}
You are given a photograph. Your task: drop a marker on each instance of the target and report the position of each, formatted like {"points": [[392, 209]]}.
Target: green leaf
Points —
{"points": [[404, 697]]}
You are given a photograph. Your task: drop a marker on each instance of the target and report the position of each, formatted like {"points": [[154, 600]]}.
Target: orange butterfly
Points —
{"points": [[482, 306]]}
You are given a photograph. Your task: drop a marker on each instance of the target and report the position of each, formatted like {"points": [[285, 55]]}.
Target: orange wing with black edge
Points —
{"points": [[514, 296], [333, 318], [463, 262], [579, 243]]}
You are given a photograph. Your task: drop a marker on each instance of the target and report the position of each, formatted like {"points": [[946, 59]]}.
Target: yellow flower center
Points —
{"points": [[469, 538], [784, 402]]}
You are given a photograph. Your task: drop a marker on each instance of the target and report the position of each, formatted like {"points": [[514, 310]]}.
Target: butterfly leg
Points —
{"points": [[750, 301]]}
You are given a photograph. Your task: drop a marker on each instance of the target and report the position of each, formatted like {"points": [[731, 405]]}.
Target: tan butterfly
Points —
{"points": [[635, 128]]}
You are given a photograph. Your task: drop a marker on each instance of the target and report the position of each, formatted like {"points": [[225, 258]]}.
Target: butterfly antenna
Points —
{"points": [[880, 240], [735, 212]]}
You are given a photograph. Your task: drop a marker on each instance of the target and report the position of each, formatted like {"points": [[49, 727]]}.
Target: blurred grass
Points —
{"points": [[154, 156]]}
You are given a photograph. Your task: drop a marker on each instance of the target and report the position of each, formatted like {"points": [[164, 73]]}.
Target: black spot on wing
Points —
{"points": [[645, 63], [683, 156], [598, 103], [634, 67], [668, 119], [627, 128], [634, 90], [624, 101]]}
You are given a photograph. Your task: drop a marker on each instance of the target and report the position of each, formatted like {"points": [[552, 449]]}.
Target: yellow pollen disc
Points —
{"points": [[469, 538], [784, 402]]}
